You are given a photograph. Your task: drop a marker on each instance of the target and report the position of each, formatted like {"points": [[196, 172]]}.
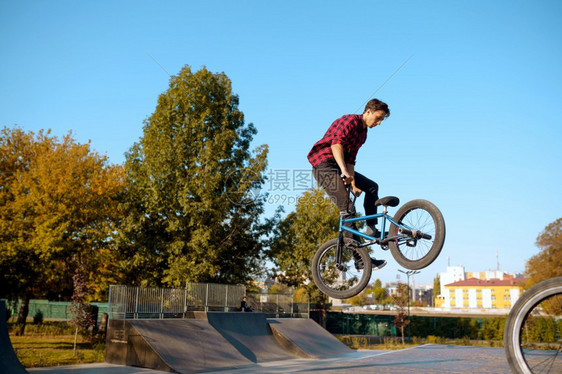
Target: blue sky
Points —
{"points": [[475, 93]]}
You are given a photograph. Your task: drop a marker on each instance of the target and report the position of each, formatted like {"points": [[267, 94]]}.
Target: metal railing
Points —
{"points": [[214, 297], [128, 302], [146, 302], [279, 305]]}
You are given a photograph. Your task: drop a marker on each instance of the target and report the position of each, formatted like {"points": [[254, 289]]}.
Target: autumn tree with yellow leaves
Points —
{"points": [[58, 209], [548, 262]]}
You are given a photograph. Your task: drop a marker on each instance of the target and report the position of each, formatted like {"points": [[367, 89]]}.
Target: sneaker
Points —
{"points": [[378, 264]]}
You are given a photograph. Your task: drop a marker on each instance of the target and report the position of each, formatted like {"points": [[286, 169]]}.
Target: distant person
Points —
{"points": [[244, 307], [333, 164]]}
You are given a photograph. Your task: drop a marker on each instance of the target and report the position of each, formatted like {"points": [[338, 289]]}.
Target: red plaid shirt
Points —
{"points": [[349, 131]]}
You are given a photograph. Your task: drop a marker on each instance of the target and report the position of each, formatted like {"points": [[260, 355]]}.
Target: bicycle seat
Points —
{"points": [[388, 201]]}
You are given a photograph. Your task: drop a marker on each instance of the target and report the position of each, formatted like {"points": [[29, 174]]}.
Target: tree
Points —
{"points": [[81, 313], [379, 292], [548, 262], [361, 299], [436, 288], [299, 235], [192, 204], [58, 209], [400, 300]]}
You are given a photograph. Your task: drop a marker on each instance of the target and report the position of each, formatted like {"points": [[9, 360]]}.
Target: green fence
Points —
{"points": [[383, 325], [55, 310]]}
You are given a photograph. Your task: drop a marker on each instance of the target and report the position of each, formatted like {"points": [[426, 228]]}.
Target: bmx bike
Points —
{"points": [[533, 330], [341, 267]]}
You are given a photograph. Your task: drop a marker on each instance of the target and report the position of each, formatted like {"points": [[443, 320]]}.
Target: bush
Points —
{"points": [[38, 318]]}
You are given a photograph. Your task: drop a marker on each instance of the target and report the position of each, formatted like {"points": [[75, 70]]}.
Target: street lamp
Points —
{"points": [[408, 273]]}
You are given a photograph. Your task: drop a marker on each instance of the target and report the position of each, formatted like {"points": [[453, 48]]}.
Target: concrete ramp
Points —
{"points": [[216, 341], [307, 337], [251, 335], [9, 362], [175, 345]]}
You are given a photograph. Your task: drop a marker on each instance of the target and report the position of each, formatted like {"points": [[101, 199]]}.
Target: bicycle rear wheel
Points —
{"points": [[533, 330], [347, 279], [419, 236]]}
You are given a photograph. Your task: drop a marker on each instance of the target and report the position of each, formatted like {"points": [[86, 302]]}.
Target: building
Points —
{"points": [[477, 293], [453, 274], [456, 274]]}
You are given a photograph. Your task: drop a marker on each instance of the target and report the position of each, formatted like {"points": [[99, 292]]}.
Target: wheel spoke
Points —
{"points": [[345, 279]]}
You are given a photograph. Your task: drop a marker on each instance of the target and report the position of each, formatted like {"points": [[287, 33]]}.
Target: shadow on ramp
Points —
{"points": [[307, 337], [9, 362], [250, 334], [216, 341], [176, 345]]}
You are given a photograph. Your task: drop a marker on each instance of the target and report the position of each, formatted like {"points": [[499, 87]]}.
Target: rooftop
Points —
{"points": [[488, 283]]}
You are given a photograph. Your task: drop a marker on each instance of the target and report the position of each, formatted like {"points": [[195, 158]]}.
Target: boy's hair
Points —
{"points": [[376, 104]]}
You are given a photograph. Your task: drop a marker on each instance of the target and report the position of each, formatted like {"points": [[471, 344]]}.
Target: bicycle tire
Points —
{"points": [[525, 309], [424, 216], [337, 283]]}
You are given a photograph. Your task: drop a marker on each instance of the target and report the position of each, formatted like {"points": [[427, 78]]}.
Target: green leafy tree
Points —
{"points": [[296, 239], [58, 209], [361, 299], [192, 204], [299, 235], [436, 288], [379, 292]]}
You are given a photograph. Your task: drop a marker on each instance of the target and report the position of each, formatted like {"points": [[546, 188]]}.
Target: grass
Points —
{"points": [[39, 351], [52, 344]]}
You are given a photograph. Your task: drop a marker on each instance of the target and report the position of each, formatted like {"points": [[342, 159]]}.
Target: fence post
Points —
{"points": [[136, 313], [292, 306], [207, 298], [162, 304], [185, 300], [226, 300]]}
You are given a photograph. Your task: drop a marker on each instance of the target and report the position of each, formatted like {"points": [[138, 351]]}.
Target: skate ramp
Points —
{"points": [[175, 345], [251, 335], [307, 337], [9, 362], [216, 341]]}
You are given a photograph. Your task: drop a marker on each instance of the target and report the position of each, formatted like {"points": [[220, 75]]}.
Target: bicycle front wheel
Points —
{"points": [[346, 279], [533, 330], [419, 236]]}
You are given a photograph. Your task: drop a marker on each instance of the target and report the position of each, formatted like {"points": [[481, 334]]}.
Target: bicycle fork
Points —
{"points": [[339, 252]]}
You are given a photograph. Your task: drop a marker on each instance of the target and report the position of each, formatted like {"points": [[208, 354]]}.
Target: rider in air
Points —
{"points": [[335, 155]]}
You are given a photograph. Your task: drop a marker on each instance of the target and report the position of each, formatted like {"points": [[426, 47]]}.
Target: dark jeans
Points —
{"points": [[328, 176]]}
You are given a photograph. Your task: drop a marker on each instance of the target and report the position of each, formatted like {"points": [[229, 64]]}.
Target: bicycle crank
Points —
{"points": [[415, 234]]}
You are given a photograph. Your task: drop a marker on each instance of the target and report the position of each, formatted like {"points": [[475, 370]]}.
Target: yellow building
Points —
{"points": [[476, 293]]}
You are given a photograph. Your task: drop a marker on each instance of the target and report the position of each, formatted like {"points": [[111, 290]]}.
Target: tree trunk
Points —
{"points": [[75, 340], [402, 330], [22, 316]]}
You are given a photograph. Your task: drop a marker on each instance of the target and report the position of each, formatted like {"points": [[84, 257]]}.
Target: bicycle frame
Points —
{"points": [[404, 234], [372, 240]]}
